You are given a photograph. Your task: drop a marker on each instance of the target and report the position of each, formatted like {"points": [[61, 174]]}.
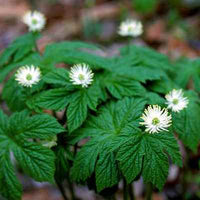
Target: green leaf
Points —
{"points": [[145, 6], [55, 99], [187, 123], [77, 100], [9, 184], [146, 57], [81, 100], [164, 86], [139, 73], [107, 173], [32, 59], [63, 157], [58, 76], [16, 135], [97, 155], [156, 167], [19, 48], [56, 49], [14, 95], [40, 126], [130, 156], [85, 161], [72, 53], [18, 97], [188, 71], [154, 98], [120, 87], [147, 154], [36, 161]]}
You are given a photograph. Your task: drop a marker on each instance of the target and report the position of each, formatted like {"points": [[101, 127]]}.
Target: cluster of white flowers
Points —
{"points": [[157, 119], [28, 75], [130, 28], [34, 20], [81, 75]]}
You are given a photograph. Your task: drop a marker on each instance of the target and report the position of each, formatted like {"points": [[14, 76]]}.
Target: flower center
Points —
{"points": [[29, 77], [34, 21], [155, 121], [130, 29], [81, 77], [175, 101]]}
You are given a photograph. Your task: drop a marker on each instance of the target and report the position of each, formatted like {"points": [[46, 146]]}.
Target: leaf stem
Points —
{"points": [[131, 191], [125, 190], [149, 190], [62, 191], [71, 188], [184, 176], [32, 4]]}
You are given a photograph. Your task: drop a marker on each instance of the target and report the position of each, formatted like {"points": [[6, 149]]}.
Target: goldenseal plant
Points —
{"points": [[77, 117], [34, 20]]}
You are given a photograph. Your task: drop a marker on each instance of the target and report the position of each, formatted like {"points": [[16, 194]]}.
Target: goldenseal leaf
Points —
{"points": [[19, 48], [16, 135], [145, 154], [98, 155], [187, 122]]}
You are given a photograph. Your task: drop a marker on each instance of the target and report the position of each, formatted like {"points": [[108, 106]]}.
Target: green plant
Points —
{"points": [[107, 112]]}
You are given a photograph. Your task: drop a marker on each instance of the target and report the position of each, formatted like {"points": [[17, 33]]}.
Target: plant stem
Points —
{"points": [[71, 188], [35, 42], [131, 191], [129, 45], [184, 176], [125, 190], [32, 4], [62, 191], [149, 190]]}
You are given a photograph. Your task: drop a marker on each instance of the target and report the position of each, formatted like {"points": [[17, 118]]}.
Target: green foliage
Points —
{"points": [[63, 158], [113, 120], [120, 87], [106, 114], [187, 122], [115, 136], [146, 154], [20, 48], [145, 6], [188, 72], [16, 134]]}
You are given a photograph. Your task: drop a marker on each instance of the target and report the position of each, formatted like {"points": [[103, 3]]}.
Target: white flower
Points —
{"points": [[81, 75], [130, 28], [156, 119], [28, 76], [50, 143], [34, 20], [176, 101]]}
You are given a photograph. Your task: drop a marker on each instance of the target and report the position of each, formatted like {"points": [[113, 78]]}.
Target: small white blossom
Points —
{"points": [[130, 28], [156, 119], [81, 75], [50, 143], [34, 20], [28, 75], [176, 101]]}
